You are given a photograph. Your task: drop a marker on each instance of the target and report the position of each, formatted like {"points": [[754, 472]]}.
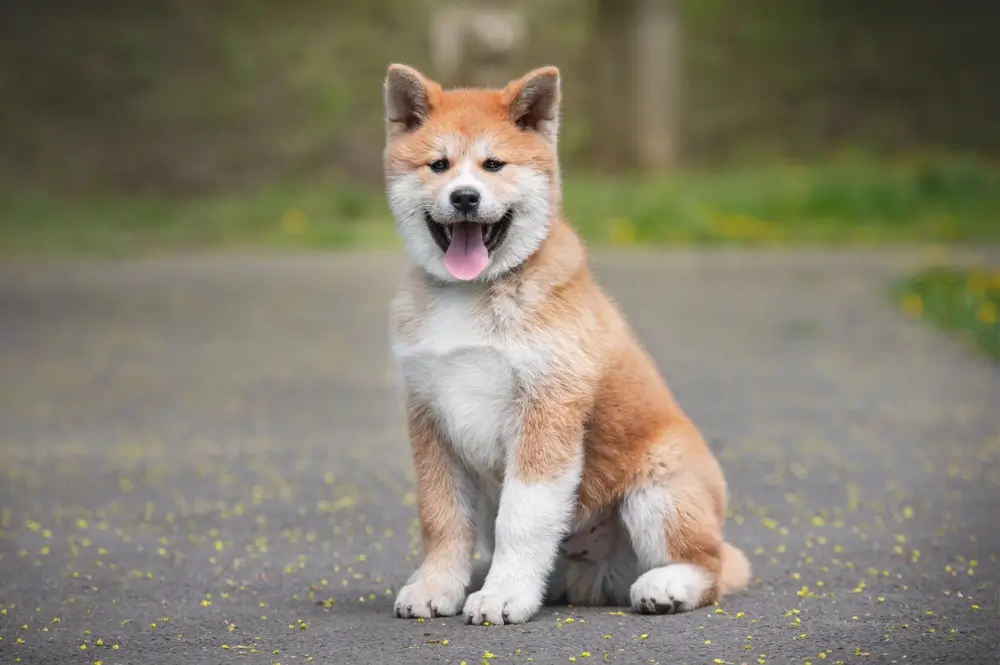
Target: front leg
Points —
{"points": [[444, 503], [536, 504]]}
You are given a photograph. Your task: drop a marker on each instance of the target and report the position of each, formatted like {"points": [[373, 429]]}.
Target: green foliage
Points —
{"points": [[846, 201], [963, 301], [851, 200], [185, 98], [281, 217]]}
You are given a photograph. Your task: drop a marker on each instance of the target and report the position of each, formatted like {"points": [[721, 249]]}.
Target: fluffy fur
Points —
{"points": [[539, 425]]}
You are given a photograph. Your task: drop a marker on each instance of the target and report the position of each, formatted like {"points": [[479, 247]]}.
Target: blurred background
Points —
{"points": [[143, 126], [130, 129]]}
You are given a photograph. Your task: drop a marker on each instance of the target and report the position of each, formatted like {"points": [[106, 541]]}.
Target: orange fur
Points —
{"points": [[598, 395], [444, 526]]}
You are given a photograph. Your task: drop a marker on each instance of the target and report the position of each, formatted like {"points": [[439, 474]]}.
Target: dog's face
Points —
{"points": [[472, 176]]}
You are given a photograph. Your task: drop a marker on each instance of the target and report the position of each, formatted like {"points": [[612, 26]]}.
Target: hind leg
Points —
{"points": [[676, 534]]}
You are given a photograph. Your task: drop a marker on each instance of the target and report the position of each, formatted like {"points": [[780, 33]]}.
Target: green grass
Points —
{"points": [[856, 202], [963, 301], [281, 217], [849, 201]]}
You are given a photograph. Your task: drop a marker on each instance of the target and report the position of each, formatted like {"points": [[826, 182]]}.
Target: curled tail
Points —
{"points": [[735, 573]]}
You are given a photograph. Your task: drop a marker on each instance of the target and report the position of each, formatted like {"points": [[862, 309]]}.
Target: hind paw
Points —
{"points": [[677, 587]]}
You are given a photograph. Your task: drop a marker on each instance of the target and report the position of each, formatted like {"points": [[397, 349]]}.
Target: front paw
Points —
{"points": [[500, 607], [424, 600]]}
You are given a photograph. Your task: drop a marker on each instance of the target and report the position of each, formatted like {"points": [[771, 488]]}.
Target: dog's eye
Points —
{"points": [[440, 166], [493, 165]]}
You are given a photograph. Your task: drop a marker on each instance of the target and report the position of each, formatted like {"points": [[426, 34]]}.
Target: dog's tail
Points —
{"points": [[735, 573]]}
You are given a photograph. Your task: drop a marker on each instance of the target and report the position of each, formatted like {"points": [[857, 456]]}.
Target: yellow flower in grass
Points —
{"points": [[622, 231], [742, 227], [294, 221], [913, 304], [977, 282], [987, 313], [862, 234]]}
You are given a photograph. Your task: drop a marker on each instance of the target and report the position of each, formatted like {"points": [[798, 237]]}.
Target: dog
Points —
{"points": [[541, 430]]}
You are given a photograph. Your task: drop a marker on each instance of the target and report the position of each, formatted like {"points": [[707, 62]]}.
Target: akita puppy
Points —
{"points": [[538, 423]]}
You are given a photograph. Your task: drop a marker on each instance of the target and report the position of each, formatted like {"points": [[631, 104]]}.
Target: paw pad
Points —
{"points": [[656, 606]]}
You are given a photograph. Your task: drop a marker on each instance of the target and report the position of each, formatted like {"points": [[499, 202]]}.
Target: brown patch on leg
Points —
{"points": [[632, 409], [551, 437], [693, 537], [684, 485], [446, 525], [694, 531]]}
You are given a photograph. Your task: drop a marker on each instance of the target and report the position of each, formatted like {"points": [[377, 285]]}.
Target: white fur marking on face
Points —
{"points": [[466, 174], [532, 521], [409, 199], [522, 189], [677, 587], [531, 223]]}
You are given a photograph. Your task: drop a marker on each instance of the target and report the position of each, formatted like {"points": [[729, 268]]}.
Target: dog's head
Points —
{"points": [[472, 175]]}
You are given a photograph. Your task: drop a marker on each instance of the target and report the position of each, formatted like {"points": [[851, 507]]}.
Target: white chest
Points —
{"points": [[468, 372]]}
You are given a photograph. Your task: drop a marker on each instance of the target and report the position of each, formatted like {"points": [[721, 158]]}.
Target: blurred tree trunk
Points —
{"points": [[636, 83], [473, 43], [609, 87]]}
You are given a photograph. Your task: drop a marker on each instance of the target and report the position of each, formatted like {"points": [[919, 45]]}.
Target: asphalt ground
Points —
{"points": [[203, 460]]}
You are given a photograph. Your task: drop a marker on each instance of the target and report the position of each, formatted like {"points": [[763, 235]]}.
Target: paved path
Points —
{"points": [[203, 461]]}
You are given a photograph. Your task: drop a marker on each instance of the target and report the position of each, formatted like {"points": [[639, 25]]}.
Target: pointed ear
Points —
{"points": [[534, 101], [407, 99]]}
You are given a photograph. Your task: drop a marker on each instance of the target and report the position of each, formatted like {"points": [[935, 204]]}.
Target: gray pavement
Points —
{"points": [[202, 460]]}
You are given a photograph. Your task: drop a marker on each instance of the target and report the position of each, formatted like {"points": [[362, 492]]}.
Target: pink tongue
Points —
{"points": [[466, 257]]}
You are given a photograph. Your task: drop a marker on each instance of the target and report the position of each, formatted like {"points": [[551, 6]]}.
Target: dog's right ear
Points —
{"points": [[408, 95]]}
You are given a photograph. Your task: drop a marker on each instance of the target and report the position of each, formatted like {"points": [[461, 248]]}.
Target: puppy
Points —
{"points": [[539, 425]]}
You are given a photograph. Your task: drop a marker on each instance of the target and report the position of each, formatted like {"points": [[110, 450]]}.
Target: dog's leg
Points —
{"points": [[536, 503], [445, 506], [486, 517], [605, 569], [674, 524]]}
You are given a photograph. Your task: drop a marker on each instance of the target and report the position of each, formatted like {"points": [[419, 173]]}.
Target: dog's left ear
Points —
{"points": [[534, 101]]}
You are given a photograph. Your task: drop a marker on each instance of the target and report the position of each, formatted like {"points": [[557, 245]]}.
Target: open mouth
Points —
{"points": [[492, 234]]}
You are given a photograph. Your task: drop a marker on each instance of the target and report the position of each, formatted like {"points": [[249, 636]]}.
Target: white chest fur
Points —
{"points": [[467, 363]]}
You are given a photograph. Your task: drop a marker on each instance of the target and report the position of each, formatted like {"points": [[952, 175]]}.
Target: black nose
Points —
{"points": [[465, 199]]}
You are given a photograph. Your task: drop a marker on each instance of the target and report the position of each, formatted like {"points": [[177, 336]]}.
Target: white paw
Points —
{"points": [[424, 600], [677, 587], [500, 607]]}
